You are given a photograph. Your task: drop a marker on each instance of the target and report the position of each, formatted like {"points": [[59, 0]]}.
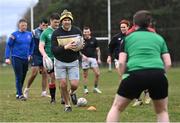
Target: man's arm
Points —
{"points": [[41, 49], [167, 61], [98, 54], [122, 62]]}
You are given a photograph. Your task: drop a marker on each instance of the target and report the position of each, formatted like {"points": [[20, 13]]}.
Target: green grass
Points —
{"points": [[39, 109]]}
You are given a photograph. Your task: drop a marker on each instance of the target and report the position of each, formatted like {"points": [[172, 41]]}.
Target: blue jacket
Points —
{"points": [[22, 45]]}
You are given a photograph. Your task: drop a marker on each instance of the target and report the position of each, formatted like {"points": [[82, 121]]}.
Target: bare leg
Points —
{"points": [[74, 85], [119, 104], [44, 79], [85, 76], [64, 91], [161, 110], [97, 74], [34, 71]]}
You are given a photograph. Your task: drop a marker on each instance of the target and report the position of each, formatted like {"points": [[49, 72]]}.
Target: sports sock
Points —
{"points": [[52, 89], [95, 85], [85, 86]]}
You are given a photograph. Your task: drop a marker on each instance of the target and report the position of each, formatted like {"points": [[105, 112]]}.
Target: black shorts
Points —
{"points": [[37, 60], [137, 81]]}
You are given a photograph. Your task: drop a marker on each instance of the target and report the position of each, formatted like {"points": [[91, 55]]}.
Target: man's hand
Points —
{"points": [[99, 61], [109, 59], [8, 61], [84, 58], [70, 45]]}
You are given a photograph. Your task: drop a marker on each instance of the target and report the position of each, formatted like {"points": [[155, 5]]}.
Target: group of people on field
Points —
{"points": [[140, 55], [45, 42]]}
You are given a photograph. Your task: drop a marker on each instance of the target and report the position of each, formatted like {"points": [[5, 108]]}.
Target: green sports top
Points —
{"points": [[46, 39], [144, 50]]}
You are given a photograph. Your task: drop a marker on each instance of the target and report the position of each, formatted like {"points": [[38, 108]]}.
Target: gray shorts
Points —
{"points": [[63, 69], [89, 63]]}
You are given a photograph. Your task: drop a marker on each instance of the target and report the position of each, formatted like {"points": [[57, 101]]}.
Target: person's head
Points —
{"points": [[142, 18], [22, 25], [86, 32], [124, 26], [66, 19], [54, 20], [43, 24]]}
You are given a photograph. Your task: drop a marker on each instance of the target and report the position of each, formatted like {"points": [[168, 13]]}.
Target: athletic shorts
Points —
{"points": [[37, 60], [89, 63], [63, 69], [135, 82]]}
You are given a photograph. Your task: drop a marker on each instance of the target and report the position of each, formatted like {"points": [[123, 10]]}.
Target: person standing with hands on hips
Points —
{"points": [[144, 60], [66, 61], [20, 47]]}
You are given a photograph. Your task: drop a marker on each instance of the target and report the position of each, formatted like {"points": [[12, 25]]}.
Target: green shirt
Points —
{"points": [[144, 50], [46, 39]]}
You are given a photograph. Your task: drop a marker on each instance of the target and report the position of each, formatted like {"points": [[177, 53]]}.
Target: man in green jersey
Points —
{"points": [[144, 59], [45, 50]]}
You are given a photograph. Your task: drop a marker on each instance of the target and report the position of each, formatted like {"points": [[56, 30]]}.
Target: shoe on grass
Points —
{"points": [[96, 90]]}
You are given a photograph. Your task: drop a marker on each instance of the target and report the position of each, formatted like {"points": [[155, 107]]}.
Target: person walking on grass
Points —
{"points": [[45, 50], [89, 53], [145, 58], [66, 61], [19, 48], [37, 62]]}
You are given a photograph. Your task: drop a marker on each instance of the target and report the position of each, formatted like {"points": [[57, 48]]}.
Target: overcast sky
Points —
{"points": [[10, 12]]}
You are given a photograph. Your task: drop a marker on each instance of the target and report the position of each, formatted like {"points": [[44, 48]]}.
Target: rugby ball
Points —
{"points": [[48, 63], [81, 102], [79, 43]]}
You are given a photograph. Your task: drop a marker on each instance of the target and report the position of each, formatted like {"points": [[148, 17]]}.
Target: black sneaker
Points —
{"points": [[68, 109], [22, 98], [53, 101], [62, 101], [73, 98]]}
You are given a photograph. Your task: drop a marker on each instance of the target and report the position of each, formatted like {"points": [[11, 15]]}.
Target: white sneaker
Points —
{"points": [[26, 92], [137, 103], [147, 100], [96, 90], [86, 91], [44, 94]]}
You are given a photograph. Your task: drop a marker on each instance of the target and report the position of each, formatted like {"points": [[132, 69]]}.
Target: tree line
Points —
{"points": [[93, 13]]}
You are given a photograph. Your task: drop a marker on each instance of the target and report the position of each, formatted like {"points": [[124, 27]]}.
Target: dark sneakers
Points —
{"points": [[53, 101], [62, 101], [73, 98], [21, 98], [68, 109]]}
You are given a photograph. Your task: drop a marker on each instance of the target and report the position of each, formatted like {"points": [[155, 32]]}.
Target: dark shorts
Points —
{"points": [[37, 60], [152, 79]]}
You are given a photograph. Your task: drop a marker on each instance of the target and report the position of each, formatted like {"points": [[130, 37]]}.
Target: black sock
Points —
{"points": [[52, 90]]}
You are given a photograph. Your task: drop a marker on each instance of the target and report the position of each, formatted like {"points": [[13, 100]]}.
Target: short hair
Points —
{"points": [[54, 16], [44, 20], [124, 21], [22, 20], [142, 18], [86, 28]]}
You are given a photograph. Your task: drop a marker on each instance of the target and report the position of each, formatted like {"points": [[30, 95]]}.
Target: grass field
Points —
{"points": [[38, 109]]}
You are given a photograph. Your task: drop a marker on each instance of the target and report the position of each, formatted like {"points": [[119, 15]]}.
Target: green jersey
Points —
{"points": [[46, 39], [144, 50]]}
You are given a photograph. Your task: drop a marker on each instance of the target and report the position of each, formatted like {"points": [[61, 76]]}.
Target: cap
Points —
{"points": [[66, 14]]}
